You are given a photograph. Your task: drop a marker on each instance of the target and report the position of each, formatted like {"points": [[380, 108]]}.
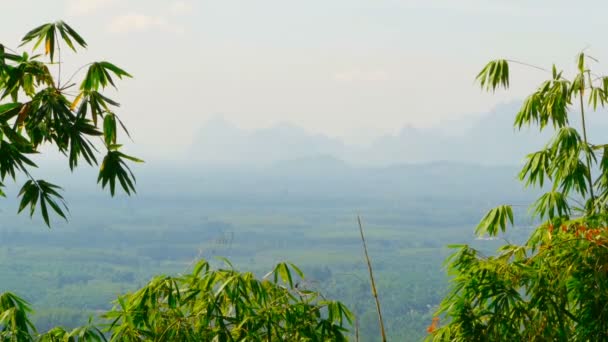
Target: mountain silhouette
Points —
{"points": [[489, 139]]}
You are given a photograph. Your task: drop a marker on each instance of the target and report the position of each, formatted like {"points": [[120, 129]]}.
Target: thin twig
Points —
{"points": [[534, 67], [357, 329], [373, 283], [528, 65], [59, 65], [76, 72], [588, 157], [9, 49]]}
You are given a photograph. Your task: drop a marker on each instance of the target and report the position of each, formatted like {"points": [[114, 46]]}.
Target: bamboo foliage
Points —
{"points": [[205, 305], [555, 286], [225, 305], [37, 108]]}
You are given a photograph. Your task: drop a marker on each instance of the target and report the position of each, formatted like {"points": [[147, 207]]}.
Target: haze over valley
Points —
{"points": [[182, 170]]}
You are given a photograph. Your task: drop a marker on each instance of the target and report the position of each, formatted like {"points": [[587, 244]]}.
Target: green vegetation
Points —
{"points": [[226, 305], [76, 270], [554, 286], [42, 110], [206, 305], [544, 283], [222, 305]]}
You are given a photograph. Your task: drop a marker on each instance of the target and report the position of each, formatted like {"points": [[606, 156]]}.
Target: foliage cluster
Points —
{"points": [[37, 107], [554, 286], [77, 269], [205, 305]]}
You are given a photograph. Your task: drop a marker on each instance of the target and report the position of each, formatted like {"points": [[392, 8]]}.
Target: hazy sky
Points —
{"points": [[352, 69]]}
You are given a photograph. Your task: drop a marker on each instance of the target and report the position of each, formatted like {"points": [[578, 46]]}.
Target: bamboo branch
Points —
{"points": [[588, 157], [356, 329], [373, 283]]}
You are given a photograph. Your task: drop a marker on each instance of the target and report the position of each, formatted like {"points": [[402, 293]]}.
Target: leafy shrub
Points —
{"points": [[205, 305]]}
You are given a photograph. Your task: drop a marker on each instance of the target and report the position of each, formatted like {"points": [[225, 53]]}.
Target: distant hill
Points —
{"points": [[328, 179], [285, 162], [220, 142], [489, 139]]}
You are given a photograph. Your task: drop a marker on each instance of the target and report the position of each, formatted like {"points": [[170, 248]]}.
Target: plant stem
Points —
{"points": [[59, 65], [587, 156], [269, 331], [528, 65], [373, 283]]}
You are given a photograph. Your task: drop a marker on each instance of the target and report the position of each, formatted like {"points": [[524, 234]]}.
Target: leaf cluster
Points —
{"points": [[555, 286], [205, 305], [36, 109]]}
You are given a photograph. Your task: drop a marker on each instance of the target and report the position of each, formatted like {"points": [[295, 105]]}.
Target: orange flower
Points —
{"points": [[431, 328]]}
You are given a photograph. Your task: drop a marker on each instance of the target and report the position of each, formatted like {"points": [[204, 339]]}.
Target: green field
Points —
{"points": [[111, 246]]}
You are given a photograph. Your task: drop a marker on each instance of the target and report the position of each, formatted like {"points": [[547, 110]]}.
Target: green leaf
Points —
{"points": [[495, 220], [72, 33], [9, 111], [41, 192], [597, 94], [538, 166], [99, 76], [494, 74], [48, 33], [109, 129], [552, 204], [113, 168]]}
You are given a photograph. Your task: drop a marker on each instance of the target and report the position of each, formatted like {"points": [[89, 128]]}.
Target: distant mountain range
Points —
{"points": [[490, 140], [286, 162]]}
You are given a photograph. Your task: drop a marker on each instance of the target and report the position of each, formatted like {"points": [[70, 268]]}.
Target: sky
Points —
{"points": [[349, 69]]}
